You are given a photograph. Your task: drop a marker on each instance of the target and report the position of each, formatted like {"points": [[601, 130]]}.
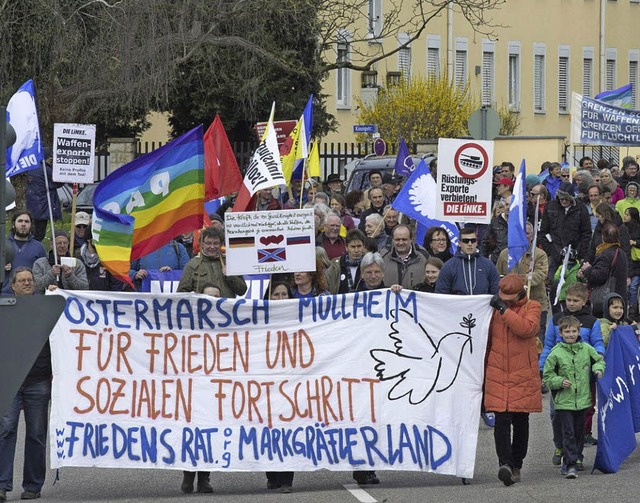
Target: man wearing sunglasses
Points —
{"points": [[467, 272]]}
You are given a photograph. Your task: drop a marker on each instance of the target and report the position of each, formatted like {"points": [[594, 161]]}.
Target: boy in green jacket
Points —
{"points": [[567, 373]]}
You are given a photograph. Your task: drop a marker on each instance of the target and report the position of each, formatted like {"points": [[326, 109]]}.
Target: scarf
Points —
{"points": [[605, 246], [91, 260]]}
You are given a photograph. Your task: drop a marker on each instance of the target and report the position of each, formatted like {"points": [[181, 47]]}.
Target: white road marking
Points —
{"points": [[360, 494]]}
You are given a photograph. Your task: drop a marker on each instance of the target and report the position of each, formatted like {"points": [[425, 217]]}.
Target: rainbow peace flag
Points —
{"points": [[144, 204]]}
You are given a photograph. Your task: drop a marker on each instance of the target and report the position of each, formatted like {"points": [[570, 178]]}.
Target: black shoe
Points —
{"points": [[286, 489], [371, 478], [272, 485], [3, 495], [187, 482], [203, 483], [29, 495], [544, 389], [589, 440], [506, 476]]}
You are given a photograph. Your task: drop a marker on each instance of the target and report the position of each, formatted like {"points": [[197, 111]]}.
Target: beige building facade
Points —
{"points": [[540, 51]]}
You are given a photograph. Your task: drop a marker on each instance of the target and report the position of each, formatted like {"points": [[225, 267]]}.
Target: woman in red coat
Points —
{"points": [[512, 378]]}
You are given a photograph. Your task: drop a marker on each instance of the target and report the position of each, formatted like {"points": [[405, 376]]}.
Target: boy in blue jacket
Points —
{"points": [[590, 332]]}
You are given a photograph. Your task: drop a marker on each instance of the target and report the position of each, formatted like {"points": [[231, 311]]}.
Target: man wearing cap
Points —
{"points": [[82, 221], [564, 222], [512, 379], [71, 275], [333, 184], [504, 190]]}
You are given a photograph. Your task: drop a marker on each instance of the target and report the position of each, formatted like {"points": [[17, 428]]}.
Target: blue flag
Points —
{"points": [[517, 225], [621, 97], [26, 153], [417, 200], [404, 163], [618, 401]]}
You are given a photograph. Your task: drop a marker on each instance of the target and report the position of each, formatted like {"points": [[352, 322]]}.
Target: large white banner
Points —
{"points": [[267, 242], [595, 122], [465, 179], [372, 380]]}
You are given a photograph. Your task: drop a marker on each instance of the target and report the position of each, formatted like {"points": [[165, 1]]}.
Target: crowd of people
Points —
{"points": [[583, 233]]}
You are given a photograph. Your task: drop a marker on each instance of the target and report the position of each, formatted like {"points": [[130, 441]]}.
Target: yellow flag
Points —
{"points": [[313, 165]]}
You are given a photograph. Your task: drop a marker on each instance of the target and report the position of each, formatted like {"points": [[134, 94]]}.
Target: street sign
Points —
{"points": [[484, 124], [380, 147], [365, 128]]}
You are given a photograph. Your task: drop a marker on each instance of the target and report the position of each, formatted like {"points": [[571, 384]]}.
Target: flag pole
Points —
{"points": [[383, 217], [534, 244], [53, 236], [304, 169]]}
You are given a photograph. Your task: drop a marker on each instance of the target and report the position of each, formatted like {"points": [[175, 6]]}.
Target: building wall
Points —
{"points": [[552, 28]]}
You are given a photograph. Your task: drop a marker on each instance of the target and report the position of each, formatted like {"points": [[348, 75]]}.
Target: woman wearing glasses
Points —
{"points": [[438, 243]]}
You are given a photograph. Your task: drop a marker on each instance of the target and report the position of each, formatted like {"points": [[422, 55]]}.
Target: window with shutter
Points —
{"points": [[343, 76], [633, 80], [433, 62], [563, 84], [404, 56], [461, 69], [587, 77], [514, 82], [610, 74], [488, 72], [538, 83]]}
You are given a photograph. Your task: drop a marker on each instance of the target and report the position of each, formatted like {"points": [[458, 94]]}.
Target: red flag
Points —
{"points": [[221, 173], [245, 201]]}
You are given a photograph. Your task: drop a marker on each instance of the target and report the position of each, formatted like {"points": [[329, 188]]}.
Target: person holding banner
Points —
{"points": [[68, 272], [33, 398], [512, 380], [208, 267], [172, 256], [279, 290]]}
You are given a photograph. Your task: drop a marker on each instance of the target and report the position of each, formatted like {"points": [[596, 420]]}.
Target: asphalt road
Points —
{"points": [[541, 482]]}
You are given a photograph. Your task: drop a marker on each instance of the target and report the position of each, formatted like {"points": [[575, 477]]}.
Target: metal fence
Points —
{"points": [[611, 154], [333, 156]]}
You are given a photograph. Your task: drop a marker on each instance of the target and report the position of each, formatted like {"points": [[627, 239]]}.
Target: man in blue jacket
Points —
{"points": [[467, 272], [27, 249]]}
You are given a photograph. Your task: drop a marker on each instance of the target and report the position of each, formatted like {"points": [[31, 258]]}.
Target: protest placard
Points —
{"points": [[261, 242], [464, 181], [594, 122], [371, 380], [73, 153]]}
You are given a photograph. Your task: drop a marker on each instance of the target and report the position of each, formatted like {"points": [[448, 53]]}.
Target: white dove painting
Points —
{"points": [[422, 363]]}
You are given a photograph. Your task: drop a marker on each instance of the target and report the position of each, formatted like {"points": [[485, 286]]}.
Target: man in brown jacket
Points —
{"points": [[512, 378]]}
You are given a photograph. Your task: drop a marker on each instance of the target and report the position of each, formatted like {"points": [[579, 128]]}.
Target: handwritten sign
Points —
{"points": [[267, 242], [371, 380], [73, 156]]}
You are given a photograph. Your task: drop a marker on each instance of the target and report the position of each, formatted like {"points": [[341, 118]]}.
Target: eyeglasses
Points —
{"points": [[439, 240], [82, 226], [564, 176], [469, 240]]}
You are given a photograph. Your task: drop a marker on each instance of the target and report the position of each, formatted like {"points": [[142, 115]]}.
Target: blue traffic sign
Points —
{"points": [[365, 128]]}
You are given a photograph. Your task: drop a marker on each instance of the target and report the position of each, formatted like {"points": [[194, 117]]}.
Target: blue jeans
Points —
{"points": [[633, 290], [34, 400]]}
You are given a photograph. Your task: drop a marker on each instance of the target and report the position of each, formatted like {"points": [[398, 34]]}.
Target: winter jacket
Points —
{"points": [[494, 239], [601, 269], [468, 275], [624, 180], [37, 202], [565, 227], [538, 278], [633, 265], [596, 239], [27, 252], [574, 362], [590, 332], [202, 269], [627, 202], [43, 275], [606, 321], [173, 255], [343, 273], [512, 380], [406, 273]]}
